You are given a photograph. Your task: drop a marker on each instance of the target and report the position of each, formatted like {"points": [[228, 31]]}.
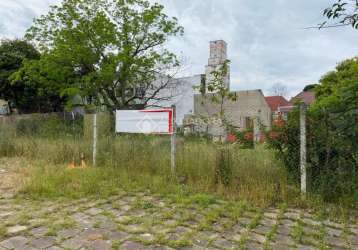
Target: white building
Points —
{"points": [[181, 91]]}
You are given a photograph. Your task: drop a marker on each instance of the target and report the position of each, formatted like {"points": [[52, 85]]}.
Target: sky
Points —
{"points": [[267, 40]]}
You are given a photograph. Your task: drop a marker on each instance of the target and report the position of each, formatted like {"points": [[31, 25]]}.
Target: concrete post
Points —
{"points": [[94, 153], [173, 142], [303, 163]]}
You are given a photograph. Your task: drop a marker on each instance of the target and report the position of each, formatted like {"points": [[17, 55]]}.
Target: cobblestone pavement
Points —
{"points": [[146, 221]]}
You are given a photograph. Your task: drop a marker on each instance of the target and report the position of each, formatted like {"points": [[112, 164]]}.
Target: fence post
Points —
{"points": [[94, 153], [173, 142], [303, 163]]}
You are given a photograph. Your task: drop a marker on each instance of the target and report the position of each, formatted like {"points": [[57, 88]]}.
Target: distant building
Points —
{"points": [[249, 111], [181, 91], [308, 97], [279, 106], [4, 108]]}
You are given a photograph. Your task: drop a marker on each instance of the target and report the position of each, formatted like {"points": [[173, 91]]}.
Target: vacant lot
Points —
{"points": [[143, 220], [221, 196]]}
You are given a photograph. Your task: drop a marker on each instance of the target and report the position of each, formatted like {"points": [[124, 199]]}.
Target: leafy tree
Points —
{"points": [[218, 87], [344, 13], [12, 55], [110, 50], [332, 136], [310, 87]]}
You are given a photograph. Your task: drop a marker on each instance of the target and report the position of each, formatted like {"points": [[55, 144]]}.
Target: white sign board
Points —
{"points": [[155, 121]]}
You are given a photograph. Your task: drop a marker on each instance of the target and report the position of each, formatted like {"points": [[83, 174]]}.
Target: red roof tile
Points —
{"points": [[307, 97], [276, 101]]}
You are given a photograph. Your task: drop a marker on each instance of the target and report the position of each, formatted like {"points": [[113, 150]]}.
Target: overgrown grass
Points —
{"points": [[144, 163], [136, 162]]}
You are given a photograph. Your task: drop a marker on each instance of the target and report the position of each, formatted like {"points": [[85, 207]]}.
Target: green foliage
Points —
{"points": [[332, 148], [217, 85], [310, 87], [143, 162], [23, 93], [344, 12], [108, 52], [245, 138], [223, 171]]}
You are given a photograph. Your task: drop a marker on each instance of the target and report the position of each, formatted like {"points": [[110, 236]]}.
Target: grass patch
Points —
{"points": [[141, 163], [3, 231]]}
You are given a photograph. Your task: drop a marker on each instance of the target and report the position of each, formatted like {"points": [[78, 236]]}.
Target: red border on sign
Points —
{"points": [[170, 117]]}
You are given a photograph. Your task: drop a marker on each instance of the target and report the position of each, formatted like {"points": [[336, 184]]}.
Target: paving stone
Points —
{"points": [[311, 222], [126, 208], [253, 246], [118, 236], [287, 222], [16, 229], [160, 229], [5, 214], [231, 235], [292, 215], [244, 221], [218, 227], [170, 223], [39, 231], [353, 241], [354, 230], [200, 242], [181, 230], [130, 245], [14, 242], [158, 247], [43, 243], [309, 240], [224, 244], [209, 234], [54, 248], [99, 245], [305, 247], [270, 215], [333, 224], [108, 225], [257, 237], [279, 238], [336, 242], [310, 230], [333, 232], [279, 246], [172, 237], [283, 229], [93, 234], [267, 222], [73, 243], [93, 211], [136, 228], [67, 233], [263, 230], [147, 237]]}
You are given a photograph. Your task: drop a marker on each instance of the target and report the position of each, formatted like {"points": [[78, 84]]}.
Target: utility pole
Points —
{"points": [[303, 145]]}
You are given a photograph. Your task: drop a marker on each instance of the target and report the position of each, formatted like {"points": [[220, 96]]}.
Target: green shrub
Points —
{"points": [[332, 142]]}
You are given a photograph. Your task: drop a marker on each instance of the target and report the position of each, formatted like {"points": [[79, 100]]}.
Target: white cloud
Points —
{"points": [[267, 40]]}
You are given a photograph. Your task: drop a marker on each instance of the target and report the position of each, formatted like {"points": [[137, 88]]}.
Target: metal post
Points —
{"points": [[94, 139], [173, 142], [303, 145]]}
